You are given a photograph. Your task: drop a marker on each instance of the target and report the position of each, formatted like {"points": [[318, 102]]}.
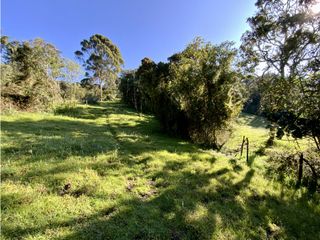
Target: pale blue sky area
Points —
{"points": [[140, 28]]}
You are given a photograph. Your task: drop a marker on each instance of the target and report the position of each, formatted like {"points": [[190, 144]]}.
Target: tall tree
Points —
{"points": [[284, 42], [207, 89], [196, 95], [102, 60]]}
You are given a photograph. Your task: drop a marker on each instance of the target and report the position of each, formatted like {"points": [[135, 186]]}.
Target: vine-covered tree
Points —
{"points": [[35, 65], [207, 89], [102, 60], [284, 42], [147, 83], [195, 95]]}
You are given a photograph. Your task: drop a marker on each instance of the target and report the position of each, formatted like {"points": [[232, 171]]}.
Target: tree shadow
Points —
{"points": [[235, 165], [93, 111], [178, 202], [168, 212], [45, 148], [254, 120], [89, 112]]}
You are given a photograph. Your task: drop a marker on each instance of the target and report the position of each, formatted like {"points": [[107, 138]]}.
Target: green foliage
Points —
{"points": [[195, 95], [206, 89], [105, 172], [102, 61], [72, 91], [252, 105], [34, 76], [70, 71], [35, 65], [92, 91], [284, 165], [284, 43]]}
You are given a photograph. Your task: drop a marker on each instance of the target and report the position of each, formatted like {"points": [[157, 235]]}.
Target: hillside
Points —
{"points": [[106, 172]]}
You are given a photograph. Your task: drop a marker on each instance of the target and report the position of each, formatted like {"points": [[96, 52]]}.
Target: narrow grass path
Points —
{"points": [[104, 172]]}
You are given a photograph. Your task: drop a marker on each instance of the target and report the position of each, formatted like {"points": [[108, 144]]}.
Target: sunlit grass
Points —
{"points": [[130, 181]]}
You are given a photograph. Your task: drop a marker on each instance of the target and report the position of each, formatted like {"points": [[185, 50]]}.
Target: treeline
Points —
{"points": [[34, 75], [196, 94], [29, 72], [199, 91]]}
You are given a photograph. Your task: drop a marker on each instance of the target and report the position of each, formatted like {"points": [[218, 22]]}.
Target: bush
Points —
{"points": [[196, 95], [285, 167], [90, 99]]}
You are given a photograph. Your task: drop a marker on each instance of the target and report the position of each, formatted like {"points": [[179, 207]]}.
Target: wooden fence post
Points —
{"points": [[242, 145], [247, 150]]}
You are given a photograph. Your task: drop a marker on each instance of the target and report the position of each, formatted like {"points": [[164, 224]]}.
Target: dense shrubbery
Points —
{"points": [[34, 76], [29, 72], [195, 95], [284, 166]]}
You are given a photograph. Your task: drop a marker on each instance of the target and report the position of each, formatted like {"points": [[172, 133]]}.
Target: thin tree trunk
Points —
{"points": [[141, 107], [313, 170], [300, 170], [101, 90], [135, 98], [316, 140]]}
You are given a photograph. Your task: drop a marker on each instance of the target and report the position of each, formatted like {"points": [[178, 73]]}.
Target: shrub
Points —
{"points": [[196, 95]]}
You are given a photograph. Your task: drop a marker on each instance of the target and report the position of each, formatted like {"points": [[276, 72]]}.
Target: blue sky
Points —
{"points": [[140, 28]]}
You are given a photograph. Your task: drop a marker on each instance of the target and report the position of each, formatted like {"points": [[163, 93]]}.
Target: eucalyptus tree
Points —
{"points": [[102, 61], [284, 43]]}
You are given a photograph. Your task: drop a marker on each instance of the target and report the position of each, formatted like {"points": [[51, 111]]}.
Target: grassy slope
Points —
{"points": [[129, 181]]}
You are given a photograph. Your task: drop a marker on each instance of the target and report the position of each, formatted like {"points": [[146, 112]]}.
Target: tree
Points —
{"points": [[129, 88], [70, 73], [207, 89], [284, 42], [196, 95], [147, 84], [36, 65], [102, 61]]}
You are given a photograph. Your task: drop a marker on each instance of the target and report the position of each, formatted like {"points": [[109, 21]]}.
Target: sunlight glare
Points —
{"points": [[316, 7]]}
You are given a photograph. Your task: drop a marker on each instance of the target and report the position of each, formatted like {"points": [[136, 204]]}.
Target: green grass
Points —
{"points": [[130, 181]]}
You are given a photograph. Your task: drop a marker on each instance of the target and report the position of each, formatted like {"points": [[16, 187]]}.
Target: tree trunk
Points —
{"points": [[300, 170], [135, 99], [100, 90], [316, 140]]}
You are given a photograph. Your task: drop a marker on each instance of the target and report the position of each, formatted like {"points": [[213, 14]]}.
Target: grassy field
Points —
{"points": [[105, 172]]}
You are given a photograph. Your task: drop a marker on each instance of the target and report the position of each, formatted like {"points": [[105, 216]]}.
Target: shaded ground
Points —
{"points": [[104, 172]]}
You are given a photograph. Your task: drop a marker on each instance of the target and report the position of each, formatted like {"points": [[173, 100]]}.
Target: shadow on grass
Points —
{"points": [[167, 213], [181, 204], [170, 212], [57, 140], [254, 120], [93, 111]]}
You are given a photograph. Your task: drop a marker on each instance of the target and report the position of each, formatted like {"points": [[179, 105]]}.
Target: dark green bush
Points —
{"points": [[196, 95]]}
